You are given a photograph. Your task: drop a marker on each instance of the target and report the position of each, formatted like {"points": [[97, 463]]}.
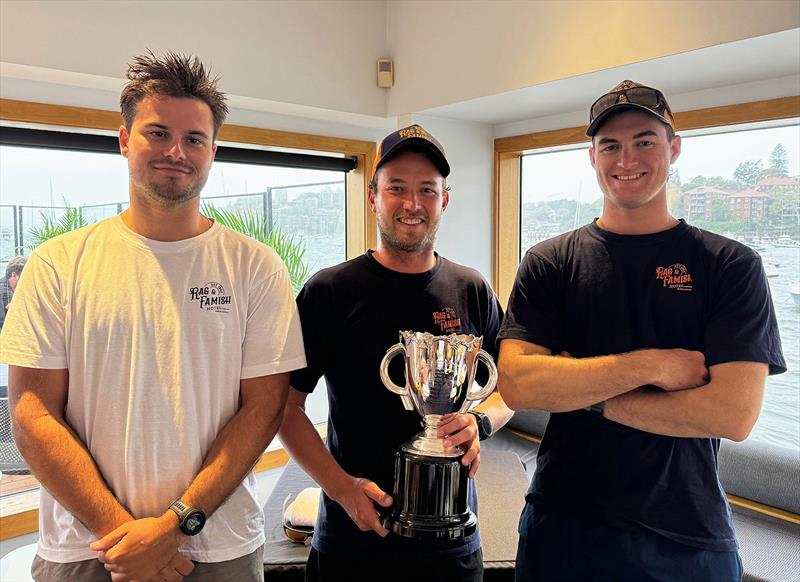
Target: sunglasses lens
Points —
{"points": [[644, 96], [604, 103]]}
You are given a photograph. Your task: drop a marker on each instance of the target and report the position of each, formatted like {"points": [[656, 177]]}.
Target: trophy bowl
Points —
{"points": [[430, 485]]}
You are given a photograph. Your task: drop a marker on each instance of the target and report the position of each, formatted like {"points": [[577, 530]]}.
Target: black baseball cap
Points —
{"points": [[413, 138], [629, 95]]}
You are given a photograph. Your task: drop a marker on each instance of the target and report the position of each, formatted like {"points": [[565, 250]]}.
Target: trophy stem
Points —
{"points": [[431, 423]]}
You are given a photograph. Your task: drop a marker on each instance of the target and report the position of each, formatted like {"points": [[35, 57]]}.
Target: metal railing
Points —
{"points": [[17, 220]]}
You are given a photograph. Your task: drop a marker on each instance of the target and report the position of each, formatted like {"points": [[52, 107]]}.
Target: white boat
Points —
{"points": [[785, 241]]}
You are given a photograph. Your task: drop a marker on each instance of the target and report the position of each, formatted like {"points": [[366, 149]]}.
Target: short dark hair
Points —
{"points": [[172, 75], [15, 265]]}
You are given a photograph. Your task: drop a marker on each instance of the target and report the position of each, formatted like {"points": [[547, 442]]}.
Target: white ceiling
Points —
{"points": [[771, 56]]}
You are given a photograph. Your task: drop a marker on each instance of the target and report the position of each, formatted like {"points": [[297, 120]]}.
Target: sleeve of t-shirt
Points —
{"points": [[533, 306], [273, 340], [312, 309], [33, 332], [742, 326]]}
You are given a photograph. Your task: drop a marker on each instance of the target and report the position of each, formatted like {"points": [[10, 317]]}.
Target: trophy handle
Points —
{"points": [[490, 383], [402, 392]]}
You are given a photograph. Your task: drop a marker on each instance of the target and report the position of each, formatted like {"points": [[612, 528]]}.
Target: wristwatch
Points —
{"points": [[190, 519], [599, 408], [484, 424]]}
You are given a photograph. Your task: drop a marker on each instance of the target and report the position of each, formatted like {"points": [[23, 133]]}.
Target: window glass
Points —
{"points": [[44, 192], [742, 184]]}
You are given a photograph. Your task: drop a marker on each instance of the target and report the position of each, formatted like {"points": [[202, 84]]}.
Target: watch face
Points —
{"points": [[487, 425], [194, 523]]}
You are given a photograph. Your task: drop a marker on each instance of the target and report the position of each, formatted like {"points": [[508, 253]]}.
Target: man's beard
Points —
{"points": [[413, 246], [169, 194]]}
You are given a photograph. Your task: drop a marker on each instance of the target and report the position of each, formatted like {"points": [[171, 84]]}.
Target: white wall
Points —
{"points": [[316, 52], [447, 52], [465, 234]]}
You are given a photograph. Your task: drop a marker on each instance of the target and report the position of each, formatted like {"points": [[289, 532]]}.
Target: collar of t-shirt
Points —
{"points": [[637, 239], [405, 278]]}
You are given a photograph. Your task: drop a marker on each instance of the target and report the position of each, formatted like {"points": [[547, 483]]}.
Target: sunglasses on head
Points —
{"points": [[644, 96]]}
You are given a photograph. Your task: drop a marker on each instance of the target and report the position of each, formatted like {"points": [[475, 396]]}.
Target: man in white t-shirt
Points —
{"points": [[149, 356]]}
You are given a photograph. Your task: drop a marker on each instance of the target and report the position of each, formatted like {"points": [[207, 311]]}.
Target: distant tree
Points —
{"points": [[749, 172], [674, 176], [720, 212], [778, 162], [713, 181]]}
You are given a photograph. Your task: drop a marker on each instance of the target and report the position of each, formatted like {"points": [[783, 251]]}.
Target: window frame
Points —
{"points": [[508, 152], [360, 225], [19, 515]]}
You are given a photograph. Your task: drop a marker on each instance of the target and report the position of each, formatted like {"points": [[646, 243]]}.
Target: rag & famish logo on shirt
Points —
{"points": [[675, 276], [211, 297], [447, 319]]}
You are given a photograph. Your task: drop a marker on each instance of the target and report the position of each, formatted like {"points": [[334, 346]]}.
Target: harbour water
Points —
{"points": [[779, 423]]}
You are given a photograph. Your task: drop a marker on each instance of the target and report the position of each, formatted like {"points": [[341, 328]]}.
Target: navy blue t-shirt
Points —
{"points": [[593, 293], [351, 314]]}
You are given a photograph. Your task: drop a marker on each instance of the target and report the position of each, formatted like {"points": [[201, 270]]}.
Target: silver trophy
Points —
{"points": [[430, 488]]}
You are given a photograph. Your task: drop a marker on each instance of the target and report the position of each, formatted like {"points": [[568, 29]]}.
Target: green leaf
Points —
{"points": [[254, 224], [72, 219]]}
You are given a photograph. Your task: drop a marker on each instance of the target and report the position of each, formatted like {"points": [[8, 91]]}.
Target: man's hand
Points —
{"points": [[174, 571], [358, 499], [140, 549], [461, 430], [679, 369]]}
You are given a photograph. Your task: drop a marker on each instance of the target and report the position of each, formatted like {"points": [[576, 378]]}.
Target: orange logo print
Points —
{"points": [[447, 319], [675, 276]]}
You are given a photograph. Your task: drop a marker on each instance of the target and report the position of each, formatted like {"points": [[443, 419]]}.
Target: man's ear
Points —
{"points": [[591, 155], [675, 149], [124, 138], [371, 199]]}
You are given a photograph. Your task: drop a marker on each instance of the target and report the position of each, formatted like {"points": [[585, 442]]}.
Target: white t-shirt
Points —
{"points": [[156, 337]]}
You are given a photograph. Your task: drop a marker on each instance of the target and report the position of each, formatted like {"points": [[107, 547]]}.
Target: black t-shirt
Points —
{"points": [[351, 314], [592, 293]]}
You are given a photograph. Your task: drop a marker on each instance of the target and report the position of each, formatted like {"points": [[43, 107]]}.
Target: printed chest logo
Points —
{"points": [[447, 319], [211, 297], [675, 276]]}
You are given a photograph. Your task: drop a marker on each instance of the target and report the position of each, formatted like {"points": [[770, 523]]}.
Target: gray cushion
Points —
{"points": [[505, 441], [531, 421], [764, 473]]}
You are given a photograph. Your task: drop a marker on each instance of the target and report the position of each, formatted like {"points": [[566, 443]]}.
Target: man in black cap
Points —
{"points": [[351, 314], [649, 340]]}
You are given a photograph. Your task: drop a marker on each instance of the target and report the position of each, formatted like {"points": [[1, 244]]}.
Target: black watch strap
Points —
{"points": [[484, 424], [599, 408]]}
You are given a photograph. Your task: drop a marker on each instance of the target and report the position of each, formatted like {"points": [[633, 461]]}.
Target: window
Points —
{"points": [[39, 187], [744, 184]]}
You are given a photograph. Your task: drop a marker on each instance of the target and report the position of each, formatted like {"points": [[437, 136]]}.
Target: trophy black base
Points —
{"points": [[430, 498]]}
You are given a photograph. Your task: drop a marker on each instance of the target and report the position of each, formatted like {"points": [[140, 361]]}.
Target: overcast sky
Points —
{"points": [[556, 175], [27, 175]]}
